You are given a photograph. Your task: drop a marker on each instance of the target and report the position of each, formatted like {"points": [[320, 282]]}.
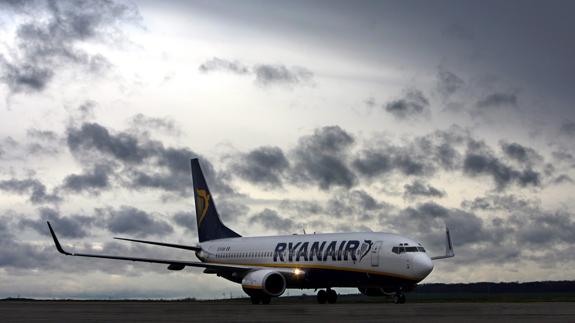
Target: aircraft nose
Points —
{"points": [[423, 265]]}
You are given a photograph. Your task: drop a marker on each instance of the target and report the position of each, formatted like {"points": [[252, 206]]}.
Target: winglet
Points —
{"points": [[56, 242], [448, 247]]}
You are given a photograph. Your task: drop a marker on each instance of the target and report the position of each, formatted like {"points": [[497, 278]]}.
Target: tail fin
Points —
{"points": [[210, 227]]}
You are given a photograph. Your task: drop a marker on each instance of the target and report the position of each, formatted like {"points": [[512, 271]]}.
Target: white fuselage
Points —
{"points": [[335, 259]]}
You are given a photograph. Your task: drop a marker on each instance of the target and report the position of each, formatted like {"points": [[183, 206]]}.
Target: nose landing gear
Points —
{"points": [[329, 295]]}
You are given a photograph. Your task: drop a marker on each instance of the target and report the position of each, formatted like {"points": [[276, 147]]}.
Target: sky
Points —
{"points": [[323, 116]]}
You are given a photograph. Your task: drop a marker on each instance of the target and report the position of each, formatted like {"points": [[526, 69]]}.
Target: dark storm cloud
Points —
{"points": [[186, 220], [37, 190], [419, 188], [280, 74], [124, 147], [447, 82], [321, 158], [497, 100], [263, 166], [420, 156], [412, 104], [75, 226], [544, 228], [51, 37], [301, 207], [143, 163], [231, 211], [568, 128], [219, 64], [477, 163], [520, 153], [492, 202], [93, 181], [265, 74], [133, 221], [466, 227], [270, 219], [354, 205]]}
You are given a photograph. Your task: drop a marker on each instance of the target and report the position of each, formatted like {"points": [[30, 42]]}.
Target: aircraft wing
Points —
{"points": [[173, 264]]}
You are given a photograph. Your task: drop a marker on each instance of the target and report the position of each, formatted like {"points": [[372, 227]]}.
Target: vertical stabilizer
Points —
{"points": [[210, 227]]}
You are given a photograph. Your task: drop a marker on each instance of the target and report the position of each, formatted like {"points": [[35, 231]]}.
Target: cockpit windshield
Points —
{"points": [[404, 247]]}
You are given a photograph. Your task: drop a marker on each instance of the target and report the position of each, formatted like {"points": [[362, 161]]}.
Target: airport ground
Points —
{"points": [[282, 311]]}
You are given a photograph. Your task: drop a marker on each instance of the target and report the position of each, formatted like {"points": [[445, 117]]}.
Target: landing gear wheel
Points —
{"points": [[399, 298], [331, 296], [321, 296], [266, 300], [255, 300]]}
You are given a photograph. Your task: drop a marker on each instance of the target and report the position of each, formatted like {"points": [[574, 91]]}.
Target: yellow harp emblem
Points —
{"points": [[202, 204]]}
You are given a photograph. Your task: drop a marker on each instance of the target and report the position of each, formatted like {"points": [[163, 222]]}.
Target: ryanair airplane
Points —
{"points": [[378, 264]]}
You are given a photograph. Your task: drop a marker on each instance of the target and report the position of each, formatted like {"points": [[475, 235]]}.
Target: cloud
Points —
{"points": [[520, 153], [271, 220], [280, 74], [265, 74], [91, 136], [133, 221], [51, 37], [143, 163], [411, 105], [231, 211], [355, 205], [75, 226], [420, 156], [186, 220], [219, 64], [568, 128], [476, 163], [166, 125], [447, 82], [493, 202], [497, 100], [466, 228], [419, 188], [264, 166], [321, 158], [95, 180], [37, 190]]}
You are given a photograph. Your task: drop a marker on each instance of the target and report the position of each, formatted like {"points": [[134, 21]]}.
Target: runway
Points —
{"points": [[241, 311]]}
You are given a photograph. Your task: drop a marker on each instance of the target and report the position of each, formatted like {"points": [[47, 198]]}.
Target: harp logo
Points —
{"points": [[202, 204]]}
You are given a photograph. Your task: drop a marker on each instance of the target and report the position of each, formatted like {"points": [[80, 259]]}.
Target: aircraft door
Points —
{"points": [[375, 254]]}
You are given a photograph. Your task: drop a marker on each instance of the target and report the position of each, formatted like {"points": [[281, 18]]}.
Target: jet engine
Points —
{"points": [[263, 281]]}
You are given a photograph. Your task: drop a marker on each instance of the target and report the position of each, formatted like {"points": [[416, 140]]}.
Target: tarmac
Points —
{"points": [[243, 311]]}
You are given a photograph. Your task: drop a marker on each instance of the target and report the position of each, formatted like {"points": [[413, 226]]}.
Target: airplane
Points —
{"points": [[378, 264]]}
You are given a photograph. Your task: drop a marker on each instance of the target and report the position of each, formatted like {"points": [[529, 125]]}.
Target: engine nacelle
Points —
{"points": [[264, 281]]}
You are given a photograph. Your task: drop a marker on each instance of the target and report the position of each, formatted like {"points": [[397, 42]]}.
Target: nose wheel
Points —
{"points": [[329, 295]]}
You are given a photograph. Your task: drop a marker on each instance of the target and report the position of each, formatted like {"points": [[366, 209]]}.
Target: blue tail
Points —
{"points": [[210, 227]]}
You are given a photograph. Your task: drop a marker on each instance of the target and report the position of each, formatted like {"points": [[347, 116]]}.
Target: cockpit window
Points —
{"points": [[403, 247]]}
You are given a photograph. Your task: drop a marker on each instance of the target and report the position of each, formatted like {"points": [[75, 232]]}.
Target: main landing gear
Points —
{"points": [[329, 295], [263, 299], [399, 298]]}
